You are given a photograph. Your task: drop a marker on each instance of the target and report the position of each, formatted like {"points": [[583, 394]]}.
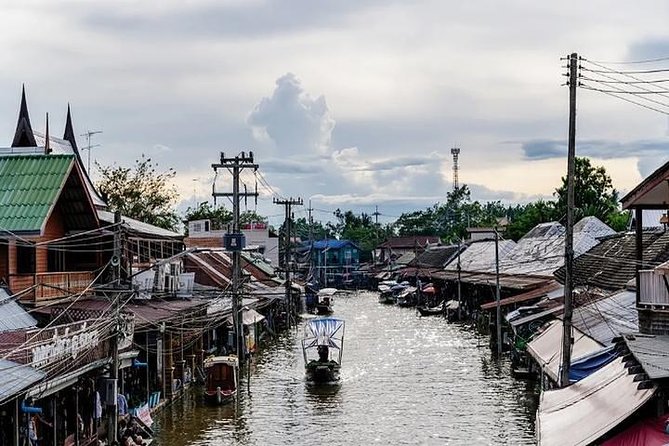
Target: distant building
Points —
{"points": [[258, 238], [394, 247], [331, 259]]}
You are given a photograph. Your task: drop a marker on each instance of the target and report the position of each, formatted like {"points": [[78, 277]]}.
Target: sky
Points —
{"points": [[349, 104]]}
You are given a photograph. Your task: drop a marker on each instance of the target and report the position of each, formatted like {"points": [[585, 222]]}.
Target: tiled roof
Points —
{"points": [[29, 188], [611, 264], [418, 241]]}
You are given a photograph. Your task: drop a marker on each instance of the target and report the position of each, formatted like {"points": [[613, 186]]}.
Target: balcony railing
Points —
{"points": [[47, 286], [653, 288]]}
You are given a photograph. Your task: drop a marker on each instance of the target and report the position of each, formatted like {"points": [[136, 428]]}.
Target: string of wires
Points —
{"points": [[641, 87]]}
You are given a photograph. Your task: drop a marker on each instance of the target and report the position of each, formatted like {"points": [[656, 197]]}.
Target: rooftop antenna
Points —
{"points": [[47, 143], [88, 147], [455, 151]]}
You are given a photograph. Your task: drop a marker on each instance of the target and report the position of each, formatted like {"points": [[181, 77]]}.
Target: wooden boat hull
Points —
{"points": [[322, 374], [219, 398]]}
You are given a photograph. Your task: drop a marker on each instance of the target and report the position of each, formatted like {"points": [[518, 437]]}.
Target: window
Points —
{"points": [[25, 259], [56, 260]]}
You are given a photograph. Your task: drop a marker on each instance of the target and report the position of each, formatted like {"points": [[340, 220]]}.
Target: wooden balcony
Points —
{"points": [[48, 286], [653, 289]]}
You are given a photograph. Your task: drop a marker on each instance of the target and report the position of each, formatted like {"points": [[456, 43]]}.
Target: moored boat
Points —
{"points": [[322, 347], [325, 301], [221, 379], [431, 311]]}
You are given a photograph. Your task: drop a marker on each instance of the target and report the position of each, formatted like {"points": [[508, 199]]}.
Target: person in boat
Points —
{"points": [[323, 353]]}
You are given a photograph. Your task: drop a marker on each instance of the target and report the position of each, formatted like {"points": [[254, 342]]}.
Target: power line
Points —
{"points": [[630, 62]]}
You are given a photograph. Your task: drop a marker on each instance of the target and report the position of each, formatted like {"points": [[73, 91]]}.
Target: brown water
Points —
{"points": [[405, 380]]}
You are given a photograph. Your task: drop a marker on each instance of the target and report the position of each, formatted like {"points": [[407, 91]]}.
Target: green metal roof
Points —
{"points": [[29, 188]]}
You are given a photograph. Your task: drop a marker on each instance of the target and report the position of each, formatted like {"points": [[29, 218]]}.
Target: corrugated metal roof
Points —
{"points": [[15, 378], [524, 297], [479, 256], [410, 242], [607, 318], [436, 257], [29, 188], [12, 315], [652, 352], [139, 226], [594, 227]]}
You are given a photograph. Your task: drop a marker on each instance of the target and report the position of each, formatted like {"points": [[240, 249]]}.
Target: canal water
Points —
{"points": [[405, 380]]}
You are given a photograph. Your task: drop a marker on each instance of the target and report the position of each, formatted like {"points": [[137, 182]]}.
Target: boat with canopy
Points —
{"points": [[221, 380], [322, 346]]}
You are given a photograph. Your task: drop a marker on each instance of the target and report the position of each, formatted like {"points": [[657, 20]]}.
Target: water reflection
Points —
{"points": [[405, 380]]}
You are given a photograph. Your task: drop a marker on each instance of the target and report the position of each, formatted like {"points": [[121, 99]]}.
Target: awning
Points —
{"points": [[606, 398], [648, 432], [533, 317], [589, 364], [524, 297], [61, 382], [16, 377], [546, 348], [249, 317]]}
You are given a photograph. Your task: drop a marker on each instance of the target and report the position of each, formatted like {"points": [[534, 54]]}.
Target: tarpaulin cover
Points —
{"points": [[324, 331], [546, 347], [648, 432], [589, 364], [585, 411]]}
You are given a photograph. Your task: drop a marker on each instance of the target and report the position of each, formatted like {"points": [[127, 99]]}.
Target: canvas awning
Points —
{"points": [[606, 398], [249, 317], [546, 347]]}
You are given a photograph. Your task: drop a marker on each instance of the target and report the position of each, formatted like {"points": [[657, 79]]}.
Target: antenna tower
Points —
{"points": [[455, 151]]}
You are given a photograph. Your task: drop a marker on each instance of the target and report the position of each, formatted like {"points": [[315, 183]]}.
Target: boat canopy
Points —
{"points": [[324, 331], [327, 292]]}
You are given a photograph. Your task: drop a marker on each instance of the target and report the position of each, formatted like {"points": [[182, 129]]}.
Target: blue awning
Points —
{"points": [[16, 377], [589, 364]]}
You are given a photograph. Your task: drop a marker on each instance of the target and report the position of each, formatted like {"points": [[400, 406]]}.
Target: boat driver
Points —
{"points": [[323, 353]]}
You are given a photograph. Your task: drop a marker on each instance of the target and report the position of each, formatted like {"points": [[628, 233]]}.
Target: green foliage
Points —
{"points": [[219, 217], [141, 192], [594, 194], [360, 229]]}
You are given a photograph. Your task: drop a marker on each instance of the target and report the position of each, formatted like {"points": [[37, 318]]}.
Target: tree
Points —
{"points": [[594, 195], [141, 192]]}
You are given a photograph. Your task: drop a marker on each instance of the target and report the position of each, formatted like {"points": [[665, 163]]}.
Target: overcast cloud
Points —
{"points": [[352, 103]]}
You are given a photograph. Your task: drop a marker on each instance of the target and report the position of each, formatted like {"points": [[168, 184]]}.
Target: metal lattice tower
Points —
{"points": [[455, 151]]}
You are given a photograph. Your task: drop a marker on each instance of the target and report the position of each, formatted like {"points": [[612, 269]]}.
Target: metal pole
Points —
{"points": [[569, 237], [112, 411], [499, 308]]}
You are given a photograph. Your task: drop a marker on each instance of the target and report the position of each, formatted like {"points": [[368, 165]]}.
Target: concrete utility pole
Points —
{"points": [[288, 204], [112, 410], [567, 340], [235, 241]]}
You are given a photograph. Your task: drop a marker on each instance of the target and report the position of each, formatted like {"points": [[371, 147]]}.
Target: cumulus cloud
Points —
{"points": [[292, 119]]}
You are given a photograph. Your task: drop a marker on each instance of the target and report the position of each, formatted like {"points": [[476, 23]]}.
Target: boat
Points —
{"points": [[310, 297], [322, 347], [431, 311], [221, 379], [406, 297], [325, 300], [386, 296]]}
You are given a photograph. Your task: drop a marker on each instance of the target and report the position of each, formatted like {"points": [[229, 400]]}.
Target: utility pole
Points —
{"points": [[88, 147], [499, 308], [459, 286], [112, 410], [235, 241], [569, 236], [288, 204]]}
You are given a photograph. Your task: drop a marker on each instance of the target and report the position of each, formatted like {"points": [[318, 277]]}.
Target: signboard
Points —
{"points": [[144, 415], [234, 242], [63, 343]]}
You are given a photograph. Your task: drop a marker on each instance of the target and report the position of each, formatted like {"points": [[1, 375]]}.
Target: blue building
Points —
{"points": [[333, 260]]}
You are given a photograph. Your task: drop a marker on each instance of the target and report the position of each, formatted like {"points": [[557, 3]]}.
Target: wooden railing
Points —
{"points": [[47, 286], [653, 288]]}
